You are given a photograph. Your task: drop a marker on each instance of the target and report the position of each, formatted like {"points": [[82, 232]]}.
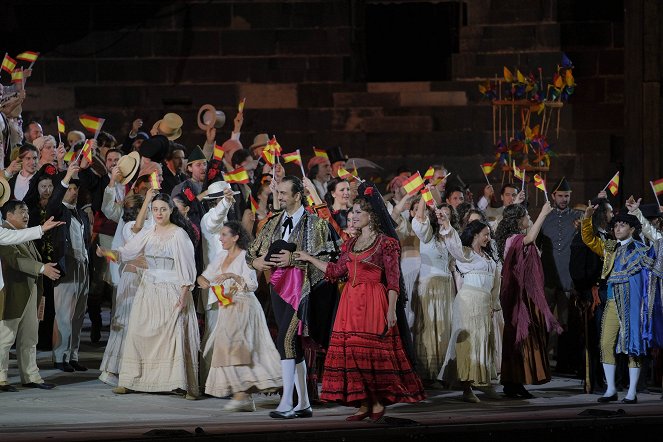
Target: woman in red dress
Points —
{"points": [[366, 365]]}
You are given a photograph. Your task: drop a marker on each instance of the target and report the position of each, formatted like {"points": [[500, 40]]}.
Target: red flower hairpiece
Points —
{"points": [[368, 191], [211, 174], [50, 170], [189, 194]]}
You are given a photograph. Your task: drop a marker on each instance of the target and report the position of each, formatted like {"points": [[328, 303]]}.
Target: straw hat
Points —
{"points": [[216, 189], [209, 117], [170, 126], [5, 191], [260, 140], [129, 165]]}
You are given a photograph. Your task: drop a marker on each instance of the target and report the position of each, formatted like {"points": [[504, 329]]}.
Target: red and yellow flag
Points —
{"points": [[154, 180], [539, 183], [220, 294], [218, 152], [613, 185], [69, 155], [429, 173], [413, 184], [344, 174], [240, 107], [92, 124], [488, 168], [109, 255], [28, 56], [310, 200], [61, 128], [518, 173], [237, 176], [254, 204], [657, 186], [320, 153], [292, 157], [87, 151], [268, 155], [274, 146], [17, 76], [427, 196], [8, 64]]}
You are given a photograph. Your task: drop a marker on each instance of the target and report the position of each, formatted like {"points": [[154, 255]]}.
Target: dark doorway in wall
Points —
{"points": [[411, 41]]}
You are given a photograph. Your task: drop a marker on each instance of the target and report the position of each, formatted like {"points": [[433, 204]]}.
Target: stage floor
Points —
{"points": [[82, 408]]}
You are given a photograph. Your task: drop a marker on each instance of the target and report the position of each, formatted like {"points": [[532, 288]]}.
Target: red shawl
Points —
{"points": [[522, 276]]}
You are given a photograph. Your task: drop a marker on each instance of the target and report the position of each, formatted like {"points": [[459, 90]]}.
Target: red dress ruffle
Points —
{"points": [[365, 361]]}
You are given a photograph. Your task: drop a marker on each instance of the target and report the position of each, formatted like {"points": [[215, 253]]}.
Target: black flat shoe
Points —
{"points": [[606, 399], [290, 414], [630, 401], [42, 385], [76, 366], [8, 388], [306, 412], [64, 366]]}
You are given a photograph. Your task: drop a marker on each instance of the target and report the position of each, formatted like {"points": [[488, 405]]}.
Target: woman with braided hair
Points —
{"points": [[366, 365]]}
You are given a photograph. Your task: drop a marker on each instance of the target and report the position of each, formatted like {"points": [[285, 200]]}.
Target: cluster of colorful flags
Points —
{"points": [[9, 65]]}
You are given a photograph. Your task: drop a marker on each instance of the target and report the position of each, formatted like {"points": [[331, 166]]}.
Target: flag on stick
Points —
{"points": [[518, 173], [8, 63], [254, 204], [657, 186], [427, 196], [429, 174], [488, 168], [320, 153], [344, 174], [274, 146], [613, 185], [240, 107], [28, 56], [17, 76], [268, 155], [154, 180], [413, 184], [237, 176], [218, 152], [220, 294], [69, 155], [87, 151], [540, 183], [61, 128], [292, 157], [92, 124], [109, 255]]}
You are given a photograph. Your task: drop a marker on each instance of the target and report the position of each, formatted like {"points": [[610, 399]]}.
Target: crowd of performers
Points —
{"points": [[325, 285]]}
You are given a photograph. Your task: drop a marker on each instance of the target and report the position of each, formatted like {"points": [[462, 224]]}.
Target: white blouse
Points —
{"points": [[477, 270], [238, 266], [435, 258]]}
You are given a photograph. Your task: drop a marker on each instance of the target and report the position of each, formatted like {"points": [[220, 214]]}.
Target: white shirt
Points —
{"points": [[21, 186], [210, 227], [296, 217], [76, 236]]}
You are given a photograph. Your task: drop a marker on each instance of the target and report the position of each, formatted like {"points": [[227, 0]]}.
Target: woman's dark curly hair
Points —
{"points": [[176, 217], [131, 206], [453, 219], [472, 230], [463, 209], [236, 228], [366, 206], [510, 225]]}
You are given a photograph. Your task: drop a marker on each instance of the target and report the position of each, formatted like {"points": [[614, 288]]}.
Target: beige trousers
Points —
{"points": [[609, 334], [24, 331]]}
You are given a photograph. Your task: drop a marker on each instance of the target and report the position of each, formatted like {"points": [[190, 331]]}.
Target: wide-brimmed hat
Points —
{"points": [[651, 210], [129, 165], [170, 126], [5, 191], [209, 117], [260, 140], [155, 148], [216, 189]]}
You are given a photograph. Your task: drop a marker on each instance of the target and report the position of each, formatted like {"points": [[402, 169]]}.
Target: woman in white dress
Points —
{"points": [[433, 301], [133, 215], [244, 357], [470, 356], [162, 343]]}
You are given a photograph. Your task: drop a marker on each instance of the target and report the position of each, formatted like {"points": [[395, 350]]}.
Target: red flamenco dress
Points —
{"points": [[365, 360]]}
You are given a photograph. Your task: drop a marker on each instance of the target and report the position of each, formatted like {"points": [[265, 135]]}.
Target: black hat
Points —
{"points": [[627, 218], [561, 186], [155, 148], [650, 210], [336, 154], [196, 154]]}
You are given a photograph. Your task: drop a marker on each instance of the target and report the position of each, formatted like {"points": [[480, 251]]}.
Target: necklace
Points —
{"points": [[365, 245]]}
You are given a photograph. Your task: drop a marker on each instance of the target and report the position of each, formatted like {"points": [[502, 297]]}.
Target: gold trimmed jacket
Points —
{"points": [[605, 248]]}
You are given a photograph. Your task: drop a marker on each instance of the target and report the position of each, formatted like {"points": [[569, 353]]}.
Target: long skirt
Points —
{"points": [[471, 352], [432, 305], [244, 357], [365, 360], [162, 344], [126, 292]]}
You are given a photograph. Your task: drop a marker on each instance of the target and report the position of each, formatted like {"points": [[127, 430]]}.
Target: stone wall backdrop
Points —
{"points": [[390, 80]]}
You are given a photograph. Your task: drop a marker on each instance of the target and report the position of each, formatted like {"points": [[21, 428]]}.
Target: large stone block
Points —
{"points": [[63, 71], [49, 98], [249, 42], [269, 96], [153, 71], [366, 99], [397, 124], [453, 98], [321, 94], [187, 43]]}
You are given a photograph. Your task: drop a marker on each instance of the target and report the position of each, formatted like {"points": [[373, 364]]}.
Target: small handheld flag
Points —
{"points": [[17, 76], [69, 155], [218, 152], [61, 128], [292, 157], [413, 184], [429, 173], [613, 185], [254, 204], [109, 255], [237, 176], [92, 124], [154, 180], [344, 174], [268, 155], [220, 294], [488, 168], [274, 146], [518, 173], [87, 151], [8, 64], [28, 56], [320, 153], [240, 107], [540, 183], [657, 186], [427, 196]]}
